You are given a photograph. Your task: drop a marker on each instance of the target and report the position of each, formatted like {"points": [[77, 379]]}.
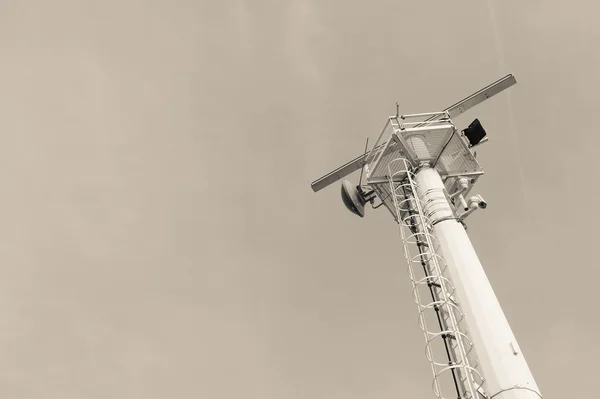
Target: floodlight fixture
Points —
{"points": [[474, 132]]}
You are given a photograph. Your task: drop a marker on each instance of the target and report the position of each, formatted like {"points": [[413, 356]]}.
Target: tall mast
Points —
{"points": [[422, 169]]}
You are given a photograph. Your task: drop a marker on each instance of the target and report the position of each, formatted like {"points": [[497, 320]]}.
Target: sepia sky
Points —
{"points": [[159, 237]]}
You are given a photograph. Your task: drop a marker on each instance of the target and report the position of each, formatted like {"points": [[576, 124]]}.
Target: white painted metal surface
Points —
{"points": [[447, 344], [503, 365]]}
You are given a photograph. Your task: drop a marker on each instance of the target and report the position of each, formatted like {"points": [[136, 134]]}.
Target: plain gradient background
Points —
{"points": [[159, 237]]}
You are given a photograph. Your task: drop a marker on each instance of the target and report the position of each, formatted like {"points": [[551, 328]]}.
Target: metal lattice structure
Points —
{"points": [[419, 140]]}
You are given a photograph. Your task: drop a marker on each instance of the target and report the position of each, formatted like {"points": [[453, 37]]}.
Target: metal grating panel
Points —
{"points": [[425, 143], [457, 158], [382, 169], [428, 142]]}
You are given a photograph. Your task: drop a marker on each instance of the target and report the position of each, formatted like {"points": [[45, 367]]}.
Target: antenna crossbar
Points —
{"points": [[454, 110]]}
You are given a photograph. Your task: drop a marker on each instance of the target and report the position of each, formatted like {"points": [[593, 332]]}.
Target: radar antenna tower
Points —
{"points": [[422, 169]]}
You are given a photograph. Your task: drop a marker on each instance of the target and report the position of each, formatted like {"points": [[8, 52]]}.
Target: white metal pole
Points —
{"points": [[502, 363]]}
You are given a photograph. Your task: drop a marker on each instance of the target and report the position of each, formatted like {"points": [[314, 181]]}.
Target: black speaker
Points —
{"points": [[353, 199], [475, 132]]}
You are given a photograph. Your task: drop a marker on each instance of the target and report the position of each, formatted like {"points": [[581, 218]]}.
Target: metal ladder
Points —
{"points": [[427, 271]]}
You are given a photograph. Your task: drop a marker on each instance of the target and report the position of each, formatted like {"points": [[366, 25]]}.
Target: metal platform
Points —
{"points": [[428, 138], [452, 111]]}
